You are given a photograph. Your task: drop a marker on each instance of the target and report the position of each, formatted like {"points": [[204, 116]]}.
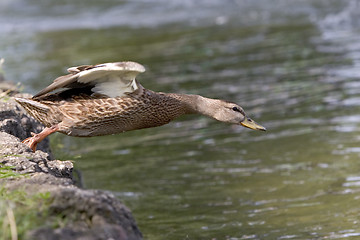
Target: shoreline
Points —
{"points": [[60, 209]]}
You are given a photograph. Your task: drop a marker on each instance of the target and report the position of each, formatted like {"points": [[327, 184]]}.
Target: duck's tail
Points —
{"points": [[36, 109]]}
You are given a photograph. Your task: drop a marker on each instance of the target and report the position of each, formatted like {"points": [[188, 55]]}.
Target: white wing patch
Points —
{"points": [[112, 79], [115, 86]]}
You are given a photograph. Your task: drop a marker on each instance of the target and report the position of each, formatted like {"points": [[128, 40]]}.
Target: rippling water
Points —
{"points": [[294, 66]]}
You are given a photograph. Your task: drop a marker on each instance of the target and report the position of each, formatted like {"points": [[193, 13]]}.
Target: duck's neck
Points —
{"points": [[195, 104]]}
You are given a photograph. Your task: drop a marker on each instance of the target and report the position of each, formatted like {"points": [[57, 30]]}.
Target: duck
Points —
{"points": [[104, 99]]}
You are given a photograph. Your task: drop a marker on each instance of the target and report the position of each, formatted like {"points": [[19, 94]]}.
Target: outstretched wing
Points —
{"points": [[111, 79]]}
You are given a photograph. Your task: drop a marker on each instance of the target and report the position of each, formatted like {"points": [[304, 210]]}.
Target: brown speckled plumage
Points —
{"points": [[86, 110], [86, 115]]}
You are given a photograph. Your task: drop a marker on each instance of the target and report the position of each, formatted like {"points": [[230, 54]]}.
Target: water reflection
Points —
{"points": [[292, 66]]}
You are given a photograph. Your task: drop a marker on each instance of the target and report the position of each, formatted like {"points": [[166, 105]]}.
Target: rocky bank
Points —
{"points": [[84, 214]]}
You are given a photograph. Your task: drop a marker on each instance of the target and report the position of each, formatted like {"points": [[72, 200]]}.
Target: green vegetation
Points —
{"points": [[4, 96], [7, 172], [21, 212]]}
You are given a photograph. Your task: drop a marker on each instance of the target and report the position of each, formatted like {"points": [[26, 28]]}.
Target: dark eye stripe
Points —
{"points": [[236, 109]]}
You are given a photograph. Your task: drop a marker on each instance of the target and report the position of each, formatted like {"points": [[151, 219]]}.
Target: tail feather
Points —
{"points": [[30, 104], [35, 108]]}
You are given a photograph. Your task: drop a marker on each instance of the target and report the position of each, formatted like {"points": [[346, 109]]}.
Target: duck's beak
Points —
{"points": [[249, 123]]}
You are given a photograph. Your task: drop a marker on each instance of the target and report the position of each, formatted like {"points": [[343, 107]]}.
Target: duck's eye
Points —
{"points": [[236, 109]]}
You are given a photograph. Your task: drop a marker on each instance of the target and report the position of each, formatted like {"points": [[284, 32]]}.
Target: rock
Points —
{"points": [[98, 215], [88, 214], [16, 122]]}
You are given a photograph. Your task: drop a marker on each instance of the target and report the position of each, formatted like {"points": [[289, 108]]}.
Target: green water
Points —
{"points": [[293, 67]]}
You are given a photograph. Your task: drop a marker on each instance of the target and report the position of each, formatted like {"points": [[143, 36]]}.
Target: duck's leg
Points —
{"points": [[36, 138]]}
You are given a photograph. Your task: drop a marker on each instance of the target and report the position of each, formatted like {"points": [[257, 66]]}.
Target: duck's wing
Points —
{"points": [[111, 79]]}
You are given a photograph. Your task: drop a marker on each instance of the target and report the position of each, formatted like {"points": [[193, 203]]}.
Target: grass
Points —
{"points": [[21, 212], [8, 172], [6, 95]]}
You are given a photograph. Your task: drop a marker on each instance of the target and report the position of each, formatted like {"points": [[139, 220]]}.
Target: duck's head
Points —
{"points": [[232, 113]]}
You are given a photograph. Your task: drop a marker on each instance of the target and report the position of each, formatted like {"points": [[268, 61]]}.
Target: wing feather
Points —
{"points": [[111, 79]]}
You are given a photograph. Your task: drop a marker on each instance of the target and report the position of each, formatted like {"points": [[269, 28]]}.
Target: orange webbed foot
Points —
{"points": [[32, 142]]}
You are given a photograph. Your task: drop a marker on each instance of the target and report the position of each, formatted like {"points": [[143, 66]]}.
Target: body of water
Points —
{"points": [[292, 65]]}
